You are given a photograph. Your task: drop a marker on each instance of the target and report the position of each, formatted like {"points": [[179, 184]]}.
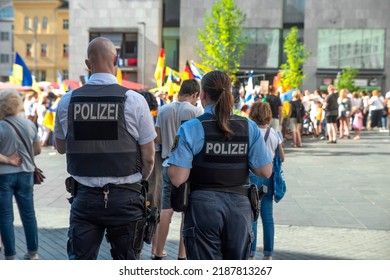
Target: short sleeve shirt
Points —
{"points": [[190, 141], [139, 123]]}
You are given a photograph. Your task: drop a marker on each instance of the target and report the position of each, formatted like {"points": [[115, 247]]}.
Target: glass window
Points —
{"points": [[171, 13], [26, 23], [7, 11], [65, 50], [129, 50], [4, 36], [171, 43], [262, 48], [126, 45], [65, 24], [65, 75], [28, 50], [41, 75], [44, 23], [43, 50], [293, 11], [357, 48], [35, 26], [4, 58]]}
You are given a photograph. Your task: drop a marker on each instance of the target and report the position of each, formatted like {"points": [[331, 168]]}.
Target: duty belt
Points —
{"points": [[244, 190], [134, 186]]}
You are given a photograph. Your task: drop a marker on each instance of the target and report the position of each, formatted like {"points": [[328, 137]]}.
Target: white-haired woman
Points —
{"points": [[17, 181]]}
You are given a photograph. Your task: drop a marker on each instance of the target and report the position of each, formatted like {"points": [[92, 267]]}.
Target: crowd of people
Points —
{"points": [[128, 151], [329, 115]]}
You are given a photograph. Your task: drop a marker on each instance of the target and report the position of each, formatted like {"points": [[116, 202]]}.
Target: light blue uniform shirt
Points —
{"points": [[191, 141]]}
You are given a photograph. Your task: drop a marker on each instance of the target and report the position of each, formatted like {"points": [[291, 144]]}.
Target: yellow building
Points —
{"points": [[41, 36]]}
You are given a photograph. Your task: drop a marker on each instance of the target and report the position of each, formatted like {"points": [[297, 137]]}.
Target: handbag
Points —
{"points": [[277, 177], [38, 173], [278, 180]]}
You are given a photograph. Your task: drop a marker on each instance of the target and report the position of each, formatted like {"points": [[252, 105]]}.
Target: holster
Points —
{"points": [[254, 198], [152, 219], [180, 197], [139, 233], [71, 187]]}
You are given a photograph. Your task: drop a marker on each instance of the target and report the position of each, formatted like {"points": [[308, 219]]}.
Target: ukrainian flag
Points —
{"points": [[20, 73]]}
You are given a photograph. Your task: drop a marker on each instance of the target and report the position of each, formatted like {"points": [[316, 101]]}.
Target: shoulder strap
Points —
{"points": [[267, 134], [22, 139]]}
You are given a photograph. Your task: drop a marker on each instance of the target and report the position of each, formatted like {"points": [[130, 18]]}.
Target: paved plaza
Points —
{"points": [[337, 204]]}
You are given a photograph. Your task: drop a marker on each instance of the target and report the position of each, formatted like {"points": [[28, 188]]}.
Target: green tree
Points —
{"points": [[292, 72], [222, 42], [345, 79]]}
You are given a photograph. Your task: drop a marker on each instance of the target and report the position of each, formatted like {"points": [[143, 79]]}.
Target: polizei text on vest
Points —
{"points": [[95, 111], [226, 148]]}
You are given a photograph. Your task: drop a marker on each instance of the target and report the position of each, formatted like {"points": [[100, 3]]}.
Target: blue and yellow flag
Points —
{"points": [[20, 73]]}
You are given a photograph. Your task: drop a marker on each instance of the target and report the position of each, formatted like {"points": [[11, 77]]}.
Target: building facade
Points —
{"points": [[6, 39], [41, 37], [348, 33], [133, 26], [339, 33]]}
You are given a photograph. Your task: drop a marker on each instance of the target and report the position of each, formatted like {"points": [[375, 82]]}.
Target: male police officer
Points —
{"points": [[107, 133]]}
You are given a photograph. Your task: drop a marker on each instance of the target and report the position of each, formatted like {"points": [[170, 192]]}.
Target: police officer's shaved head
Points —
{"points": [[102, 56]]}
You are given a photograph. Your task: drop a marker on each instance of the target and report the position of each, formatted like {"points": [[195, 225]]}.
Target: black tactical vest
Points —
{"points": [[98, 143], [222, 163]]}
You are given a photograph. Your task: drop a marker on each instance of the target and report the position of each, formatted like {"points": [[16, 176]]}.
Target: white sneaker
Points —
{"points": [[267, 258], [31, 256]]}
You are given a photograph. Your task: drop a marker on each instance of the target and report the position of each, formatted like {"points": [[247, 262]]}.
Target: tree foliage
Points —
{"points": [[292, 72], [223, 45], [345, 80]]}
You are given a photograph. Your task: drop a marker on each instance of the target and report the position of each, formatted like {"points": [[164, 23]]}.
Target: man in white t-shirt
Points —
{"points": [[169, 119]]}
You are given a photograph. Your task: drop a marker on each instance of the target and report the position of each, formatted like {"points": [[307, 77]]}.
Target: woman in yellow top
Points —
{"points": [[319, 118]]}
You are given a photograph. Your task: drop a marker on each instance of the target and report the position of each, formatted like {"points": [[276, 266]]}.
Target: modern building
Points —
{"points": [[6, 39], [139, 28], [348, 33], [41, 36], [339, 33]]}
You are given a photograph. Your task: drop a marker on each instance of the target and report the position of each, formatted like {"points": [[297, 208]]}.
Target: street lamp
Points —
{"points": [[35, 49], [143, 52]]}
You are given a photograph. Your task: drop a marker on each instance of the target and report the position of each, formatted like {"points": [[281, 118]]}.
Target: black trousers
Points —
{"points": [[90, 218], [376, 118]]}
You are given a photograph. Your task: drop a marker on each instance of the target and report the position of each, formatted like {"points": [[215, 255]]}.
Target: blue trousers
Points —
{"points": [[217, 226], [267, 219], [18, 185], [89, 219]]}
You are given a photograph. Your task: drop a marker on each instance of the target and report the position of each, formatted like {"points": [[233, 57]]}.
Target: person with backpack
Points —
{"points": [[297, 111], [261, 114]]}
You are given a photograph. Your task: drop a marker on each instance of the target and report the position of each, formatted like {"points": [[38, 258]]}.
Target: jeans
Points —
{"points": [[217, 226], [19, 185], [267, 219]]}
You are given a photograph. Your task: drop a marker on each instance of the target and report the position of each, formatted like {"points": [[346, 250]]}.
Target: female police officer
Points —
{"points": [[214, 153]]}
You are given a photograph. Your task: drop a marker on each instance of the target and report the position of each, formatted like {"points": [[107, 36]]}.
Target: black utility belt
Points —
{"points": [[244, 190], [134, 187]]}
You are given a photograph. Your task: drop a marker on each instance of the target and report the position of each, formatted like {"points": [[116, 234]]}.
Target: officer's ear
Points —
{"points": [[88, 63], [202, 95], [116, 60]]}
